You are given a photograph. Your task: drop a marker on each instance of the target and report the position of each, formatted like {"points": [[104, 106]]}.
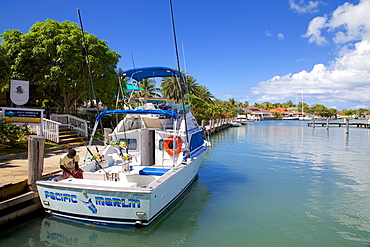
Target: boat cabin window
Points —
{"points": [[130, 143]]}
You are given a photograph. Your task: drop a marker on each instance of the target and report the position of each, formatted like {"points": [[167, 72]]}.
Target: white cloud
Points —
{"points": [[279, 35], [302, 7], [346, 79], [347, 23], [268, 34], [314, 31]]}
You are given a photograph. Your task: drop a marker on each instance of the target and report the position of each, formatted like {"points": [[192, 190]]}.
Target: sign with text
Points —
{"points": [[23, 115], [19, 92]]}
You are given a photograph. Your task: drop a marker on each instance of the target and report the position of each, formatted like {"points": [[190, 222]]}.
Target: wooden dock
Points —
{"points": [[215, 125], [346, 124], [342, 124]]}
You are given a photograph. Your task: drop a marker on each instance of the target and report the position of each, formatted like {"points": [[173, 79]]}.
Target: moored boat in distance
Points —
{"points": [[242, 119], [291, 118], [235, 124], [153, 156]]}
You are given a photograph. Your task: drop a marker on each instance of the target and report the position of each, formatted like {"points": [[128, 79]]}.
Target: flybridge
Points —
{"points": [[147, 72]]}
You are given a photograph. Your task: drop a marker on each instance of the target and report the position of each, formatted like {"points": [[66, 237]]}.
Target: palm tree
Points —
{"points": [[173, 88], [267, 105], [205, 94], [149, 88], [258, 105], [232, 102], [288, 104], [192, 85]]}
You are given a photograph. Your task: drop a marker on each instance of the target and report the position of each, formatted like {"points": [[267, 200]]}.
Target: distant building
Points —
{"points": [[258, 114]]}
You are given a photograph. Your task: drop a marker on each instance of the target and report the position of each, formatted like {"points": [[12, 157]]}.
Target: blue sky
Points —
{"points": [[249, 50]]}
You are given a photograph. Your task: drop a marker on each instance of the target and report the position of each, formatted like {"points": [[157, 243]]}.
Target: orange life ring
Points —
{"points": [[168, 145]]}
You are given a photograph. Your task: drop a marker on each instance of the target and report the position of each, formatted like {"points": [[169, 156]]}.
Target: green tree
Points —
{"points": [[52, 56], [277, 105], [347, 112], [288, 104], [5, 70], [323, 111], [361, 112]]}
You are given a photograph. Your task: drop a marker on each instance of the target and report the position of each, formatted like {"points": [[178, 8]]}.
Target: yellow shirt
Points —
{"points": [[68, 162]]}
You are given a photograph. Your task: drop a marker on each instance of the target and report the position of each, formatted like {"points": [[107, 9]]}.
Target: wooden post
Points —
{"points": [[327, 123], [107, 131], [313, 122], [347, 125], [35, 159]]}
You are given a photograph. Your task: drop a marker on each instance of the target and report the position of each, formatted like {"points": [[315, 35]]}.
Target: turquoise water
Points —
{"points": [[270, 183]]}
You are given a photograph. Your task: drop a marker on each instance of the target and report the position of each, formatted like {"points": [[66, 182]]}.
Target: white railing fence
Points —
{"points": [[50, 130], [78, 124], [51, 127]]}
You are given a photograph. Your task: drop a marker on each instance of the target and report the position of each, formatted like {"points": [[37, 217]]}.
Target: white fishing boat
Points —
{"points": [[242, 119], [153, 157]]}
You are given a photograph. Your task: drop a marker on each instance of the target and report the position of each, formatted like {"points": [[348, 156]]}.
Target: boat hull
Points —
{"points": [[117, 206], [291, 118]]}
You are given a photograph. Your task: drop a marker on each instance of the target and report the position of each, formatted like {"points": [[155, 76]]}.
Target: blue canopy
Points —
{"points": [[147, 72], [117, 112]]}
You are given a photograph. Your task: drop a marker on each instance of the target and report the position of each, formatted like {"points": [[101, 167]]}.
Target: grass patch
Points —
{"points": [[21, 147]]}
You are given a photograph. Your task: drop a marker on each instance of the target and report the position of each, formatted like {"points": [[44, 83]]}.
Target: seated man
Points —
{"points": [[69, 164]]}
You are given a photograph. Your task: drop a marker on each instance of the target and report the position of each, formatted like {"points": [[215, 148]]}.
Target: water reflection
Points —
{"points": [[333, 165]]}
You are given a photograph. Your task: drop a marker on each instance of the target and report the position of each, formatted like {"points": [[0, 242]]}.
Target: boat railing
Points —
{"points": [[78, 124]]}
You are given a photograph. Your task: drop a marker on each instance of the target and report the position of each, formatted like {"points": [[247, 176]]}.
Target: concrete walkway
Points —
{"points": [[14, 168]]}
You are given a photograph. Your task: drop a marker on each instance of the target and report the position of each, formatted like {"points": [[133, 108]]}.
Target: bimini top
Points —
{"points": [[120, 112], [147, 72]]}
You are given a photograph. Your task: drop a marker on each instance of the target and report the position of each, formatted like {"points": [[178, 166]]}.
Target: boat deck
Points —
{"points": [[139, 178]]}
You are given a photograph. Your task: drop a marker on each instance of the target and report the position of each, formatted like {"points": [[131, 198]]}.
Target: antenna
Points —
{"points": [[184, 79], [88, 66], [86, 56]]}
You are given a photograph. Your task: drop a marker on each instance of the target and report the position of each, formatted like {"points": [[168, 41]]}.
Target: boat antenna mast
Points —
{"points": [[87, 59], [178, 81]]}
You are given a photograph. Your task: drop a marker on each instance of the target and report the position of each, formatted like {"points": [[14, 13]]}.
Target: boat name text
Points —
{"points": [[117, 202], [61, 197], [99, 201]]}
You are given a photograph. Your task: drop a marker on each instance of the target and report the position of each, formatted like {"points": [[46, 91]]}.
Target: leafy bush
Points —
{"points": [[10, 134]]}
